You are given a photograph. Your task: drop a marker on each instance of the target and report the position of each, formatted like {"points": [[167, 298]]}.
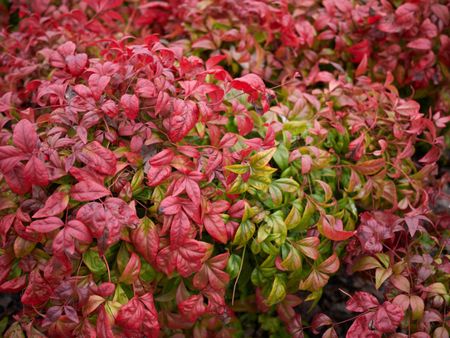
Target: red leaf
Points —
{"points": [[362, 67], [5, 224], [331, 228], [171, 205], [121, 211], [14, 285], [212, 273], [361, 328], [215, 226], [131, 315], [103, 5], [97, 157], [193, 190], [180, 228], [97, 84], [109, 107], [76, 63], [420, 44], [36, 172], [388, 317], [54, 205], [130, 104], [431, 156], [38, 291], [319, 320], [156, 175], [145, 88], [46, 225], [25, 136], [356, 148], [190, 257], [9, 158], [359, 50], [145, 239], [79, 231], [244, 124], [16, 180], [192, 308], [150, 323], [408, 108], [103, 325], [132, 270], [361, 301], [250, 84], [370, 167], [182, 120], [88, 191], [164, 157], [330, 265]]}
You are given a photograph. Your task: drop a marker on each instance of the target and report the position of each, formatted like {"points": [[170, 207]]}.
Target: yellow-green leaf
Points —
{"points": [[381, 275], [238, 186], [238, 168], [278, 291], [260, 159], [295, 127]]}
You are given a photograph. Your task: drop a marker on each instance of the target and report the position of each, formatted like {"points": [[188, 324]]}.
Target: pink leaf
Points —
{"points": [[99, 158], [182, 120], [130, 104], [46, 225], [25, 136], [97, 84], [420, 44], [88, 191], [36, 172], [76, 63], [54, 205], [388, 317], [361, 301]]}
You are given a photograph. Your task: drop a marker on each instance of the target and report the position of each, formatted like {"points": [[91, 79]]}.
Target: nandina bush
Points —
{"points": [[158, 187]]}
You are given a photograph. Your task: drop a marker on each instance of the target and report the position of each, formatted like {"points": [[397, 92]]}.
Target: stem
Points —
{"points": [[107, 268], [237, 277]]}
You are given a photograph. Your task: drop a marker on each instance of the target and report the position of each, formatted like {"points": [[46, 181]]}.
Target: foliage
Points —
{"points": [[154, 184]]}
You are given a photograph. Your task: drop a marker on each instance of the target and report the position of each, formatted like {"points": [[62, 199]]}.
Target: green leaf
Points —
{"points": [[276, 195], [279, 229], [119, 295], [123, 256], [287, 185], [307, 215], [295, 127], [233, 265], [278, 291], [281, 157], [3, 324], [94, 263], [147, 273], [244, 233]]}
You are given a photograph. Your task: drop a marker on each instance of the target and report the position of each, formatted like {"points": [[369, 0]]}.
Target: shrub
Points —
{"points": [[152, 188]]}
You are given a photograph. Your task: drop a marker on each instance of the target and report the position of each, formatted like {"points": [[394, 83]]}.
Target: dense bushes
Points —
{"points": [[203, 168]]}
